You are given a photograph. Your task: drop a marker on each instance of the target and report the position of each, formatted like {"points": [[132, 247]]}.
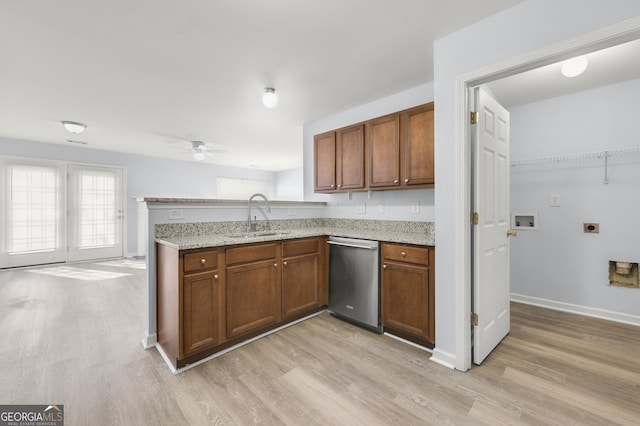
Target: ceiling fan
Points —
{"points": [[200, 150]]}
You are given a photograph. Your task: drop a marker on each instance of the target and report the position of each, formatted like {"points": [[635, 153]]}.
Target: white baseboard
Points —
{"points": [[149, 341], [443, 358], [577, 309], [408, 342]]}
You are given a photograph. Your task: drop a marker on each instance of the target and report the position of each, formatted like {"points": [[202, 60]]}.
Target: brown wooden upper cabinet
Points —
{"points": [[400, 149], [416, 146], [339, 160], [397, 150]]}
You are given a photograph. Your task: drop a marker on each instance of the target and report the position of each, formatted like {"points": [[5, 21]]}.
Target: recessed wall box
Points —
{"points": [[524, 221], [591, 228]]}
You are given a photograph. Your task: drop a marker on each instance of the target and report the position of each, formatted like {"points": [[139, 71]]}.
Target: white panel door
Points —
{"points": [[96, 212], [491, 286]]}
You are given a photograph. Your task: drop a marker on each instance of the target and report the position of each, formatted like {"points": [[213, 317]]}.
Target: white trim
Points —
{"points": [[595, 40], [229, 349], [409, 342], [444, 358], [149, 341], [577, 309]]}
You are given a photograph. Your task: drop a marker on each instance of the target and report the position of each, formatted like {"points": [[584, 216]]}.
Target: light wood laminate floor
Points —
{"points": [[77, 343]]}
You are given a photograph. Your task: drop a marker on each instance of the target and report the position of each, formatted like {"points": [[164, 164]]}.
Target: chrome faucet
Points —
{"points": [[251, 225]]}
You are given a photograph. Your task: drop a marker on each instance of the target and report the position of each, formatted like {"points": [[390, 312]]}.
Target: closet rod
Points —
{"points": [[576, 157], [632, 154]]}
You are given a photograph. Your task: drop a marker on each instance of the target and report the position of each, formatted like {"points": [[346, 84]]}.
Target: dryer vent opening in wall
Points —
{"points": [[623, 274]]}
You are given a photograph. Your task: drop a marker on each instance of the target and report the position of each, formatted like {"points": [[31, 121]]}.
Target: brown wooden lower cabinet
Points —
{"points": [[253, 296], [303, 275], [407, 292], [201, 300], [190, 295], [211, 299]]}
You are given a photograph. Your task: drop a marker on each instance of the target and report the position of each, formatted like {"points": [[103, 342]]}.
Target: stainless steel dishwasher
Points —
{"points": [[354, 281]]}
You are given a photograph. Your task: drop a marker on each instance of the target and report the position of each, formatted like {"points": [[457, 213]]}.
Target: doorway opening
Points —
{"points": [[591, 42]]}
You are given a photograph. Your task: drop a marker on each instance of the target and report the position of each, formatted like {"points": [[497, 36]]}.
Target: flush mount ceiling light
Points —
{"points": [[270, 99], [74, 127], [575, 66]]}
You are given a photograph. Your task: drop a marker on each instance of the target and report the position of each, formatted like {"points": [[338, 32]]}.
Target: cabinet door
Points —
{"points": [[200, 294], [350, 158], [405, 299], [300, 285], [417, 144], [383, 138], [324, 154], [253, 297]]}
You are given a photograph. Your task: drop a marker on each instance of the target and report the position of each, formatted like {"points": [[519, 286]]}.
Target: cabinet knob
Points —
{"points": [[406, 180], [403, 254], [339, 185], [395, 181], [284, 263], [275, 265], [384, 266], [203, 261], [215, 277], [332, 185]]}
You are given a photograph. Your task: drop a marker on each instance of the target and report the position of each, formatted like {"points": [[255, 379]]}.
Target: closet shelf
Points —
{"points": [[586, 159]]}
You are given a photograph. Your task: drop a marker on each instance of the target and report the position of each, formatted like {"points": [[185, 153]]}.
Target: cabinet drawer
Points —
{"points": [[253, 253], [298, 247], [200, 261], [409, 254]]}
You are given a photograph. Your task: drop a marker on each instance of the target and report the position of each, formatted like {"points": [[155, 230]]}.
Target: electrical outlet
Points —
{"points": [[591, 228], [336, 208], [380, 208], [554, 200], [176, 214], [415, 208], [361, 208], [292, 211]]}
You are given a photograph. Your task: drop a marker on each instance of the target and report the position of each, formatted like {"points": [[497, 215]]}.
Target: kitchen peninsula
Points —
{"points": [[204, 304]]}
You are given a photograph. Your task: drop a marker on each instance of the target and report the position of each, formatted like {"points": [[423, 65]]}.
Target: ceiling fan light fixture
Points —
{"points": [[575, 66], [270, 99], [74, 127], [199, 156]]}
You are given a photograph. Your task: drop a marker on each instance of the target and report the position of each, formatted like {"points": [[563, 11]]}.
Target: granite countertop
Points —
{"points": [[187, 242]]}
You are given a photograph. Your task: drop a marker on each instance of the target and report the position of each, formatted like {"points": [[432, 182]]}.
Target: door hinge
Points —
{"points": [[474, 218], [474, 319], [474, 117]]}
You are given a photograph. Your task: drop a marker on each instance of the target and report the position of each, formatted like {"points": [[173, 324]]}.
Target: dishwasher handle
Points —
{"points": [[336, 243]]}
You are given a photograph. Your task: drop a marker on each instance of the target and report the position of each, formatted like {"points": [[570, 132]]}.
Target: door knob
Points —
{"points": [[511, 233]]}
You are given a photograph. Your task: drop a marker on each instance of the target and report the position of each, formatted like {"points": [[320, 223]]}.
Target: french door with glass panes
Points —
{"points": [[53, 212], [95, 212]]}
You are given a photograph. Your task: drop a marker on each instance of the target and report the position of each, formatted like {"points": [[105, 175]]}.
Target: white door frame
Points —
{"points": [[605, 37]]}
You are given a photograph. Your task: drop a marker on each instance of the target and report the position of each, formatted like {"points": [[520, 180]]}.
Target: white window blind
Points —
{"points": [[97, 193], [32, 214]]}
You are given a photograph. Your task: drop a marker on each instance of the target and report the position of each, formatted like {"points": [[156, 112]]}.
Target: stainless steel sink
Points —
{"points": [[257, 234]]}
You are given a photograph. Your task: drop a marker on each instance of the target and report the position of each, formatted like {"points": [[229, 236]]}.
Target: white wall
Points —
{"points": [[531, 25], [289, 185], [396, 205], [145, 176], [558, 262]]}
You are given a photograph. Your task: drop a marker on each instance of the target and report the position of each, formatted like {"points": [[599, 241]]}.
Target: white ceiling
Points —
{"points": [[148, 76], [608, 66]]}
